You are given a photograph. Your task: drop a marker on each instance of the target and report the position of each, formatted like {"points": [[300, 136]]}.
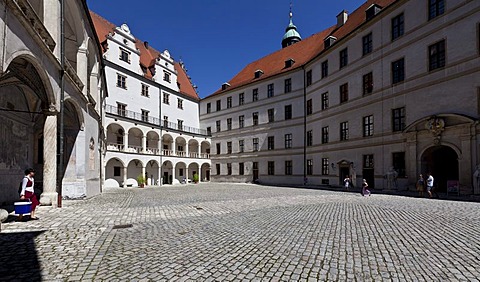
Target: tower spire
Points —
{"points": [[291, 34]]}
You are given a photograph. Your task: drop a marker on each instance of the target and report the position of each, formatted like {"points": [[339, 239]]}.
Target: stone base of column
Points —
{"points": [[49, 199]]}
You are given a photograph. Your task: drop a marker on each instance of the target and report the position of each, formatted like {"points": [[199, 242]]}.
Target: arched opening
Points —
{"points": [[135, 136], [167, 143], [115, 137], [72, 126], [193, 169], [134, 170], [167, 172], [153, 143], [193, 149], [152, 173], [205, 172], [74, 35], [442, 162], [181, 146], [205, 150], [180, 172], [114, 173]]}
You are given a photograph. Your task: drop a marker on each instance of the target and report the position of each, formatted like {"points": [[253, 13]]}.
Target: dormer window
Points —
{"points": [[289, 63], [225, 86], [258, 73], [329, 41], [166, 76], [372, 11], [124, 55], [152, 70]]}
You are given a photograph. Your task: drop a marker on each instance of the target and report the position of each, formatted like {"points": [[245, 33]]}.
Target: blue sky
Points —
{"points": [[217, 38]]}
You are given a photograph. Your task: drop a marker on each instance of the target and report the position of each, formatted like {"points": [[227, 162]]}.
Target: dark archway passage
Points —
{"points": [[442, 162]]}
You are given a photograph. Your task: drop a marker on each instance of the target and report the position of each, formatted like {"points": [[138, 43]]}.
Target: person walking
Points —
{"points": [[28, 192], [346, 182], [429, 184], [365, 191], [420, 185]]}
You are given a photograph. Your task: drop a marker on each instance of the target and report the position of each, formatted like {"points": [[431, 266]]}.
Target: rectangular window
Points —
{"points": [[255, 144], [241, 146], [145, 91], [270, 90], [180, 124], [229, 168], [309, 77], [241, 121], [209, 130], [165, 122], [309, 138], [229, 147], [124, 55], [166, 76], [229, 124], [398, 71], [368, 126], [117, 171], [288, 85], [209, 108], [309, 107], [436, 53], [344, 58], [255, 94], [121, 81], [398, 26], [145, 115], [255, 118], [368, 161], [219, 148], [166, 99], [271, 142], [325, 166], [288, 168], [368, 83], [271, 115], [288, 141], [344, 131], [288, 112], [325, 102], [121, 109], [241, 99], [324, 69], [309, 167], [399, 163], [229, 102], [398, 119], [219, 105], [180, 103], [241, 169], [344, 93], [271, 168], [325, 135], [217, 166], [435, 8], [367, 43], [219, 125]]}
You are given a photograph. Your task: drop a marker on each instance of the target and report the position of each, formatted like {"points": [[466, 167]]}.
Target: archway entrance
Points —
{"points": [[442, 162]]}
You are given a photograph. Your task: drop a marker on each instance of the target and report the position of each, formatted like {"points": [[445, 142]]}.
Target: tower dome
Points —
{"points": [[291, 34]]}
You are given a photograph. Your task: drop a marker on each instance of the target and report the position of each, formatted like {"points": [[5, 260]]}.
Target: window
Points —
{"points": [[241, 121], [209, 130], [145, 90], [325, 69], [368, 83], [166, 76], [367, 43], [145, 115], [241, 146], [255, 94], [344, 93], [309, 77], [219, 147], [241, 169], [368, 161], [288, 168], [271, 142], [398, 119], [288, 112], [271, 168], [325, 101], [117, 171], [435, 8], [399, 163], [309, 167], [255, 118], [270, 90], [368, 126], [180, 103], [219, 125], [229, 102], [436, 54], [344, 131], [288, 141], [180, 124], [288, 85], [217, 166], [209, 108], [255, 144], [229, 168], [121, 109], [309, 138], [325, 166], [398, 27], [398, 71], [344, 58], [219, 105], [241, 99], [124, 55], [271, 115], [121, 81], [166, 99], [229, 124], [165, 121], [229, 147], [325, 135], [309, 107]]}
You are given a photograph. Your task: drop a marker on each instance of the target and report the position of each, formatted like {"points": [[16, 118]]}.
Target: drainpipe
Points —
{"points": [[62, 101], [305, 181], [160, 150]]}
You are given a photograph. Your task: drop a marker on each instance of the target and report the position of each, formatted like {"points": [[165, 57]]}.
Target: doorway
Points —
{"points": [[442, 162], [255, 171]]}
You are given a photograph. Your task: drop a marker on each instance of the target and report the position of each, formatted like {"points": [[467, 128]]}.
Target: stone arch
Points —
{"points": [[134, 169], [135, 139], [167, 172], [193, 148], [153, 139], [152, 169], [205, 171], [443, 162], [75, 32], [180, 146], [167, 144], [180, 171], [114, 170], [115, 137]]}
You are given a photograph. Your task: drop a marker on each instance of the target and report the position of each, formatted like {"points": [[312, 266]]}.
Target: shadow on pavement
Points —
{"points": [[18, 257]]}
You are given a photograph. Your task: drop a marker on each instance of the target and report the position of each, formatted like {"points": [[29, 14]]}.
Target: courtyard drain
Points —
{"points": [[122, 226], [198, 208]]}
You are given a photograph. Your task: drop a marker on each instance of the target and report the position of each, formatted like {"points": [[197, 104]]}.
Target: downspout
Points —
{"points": [[160, 103], [305, 180], [62, 101]]}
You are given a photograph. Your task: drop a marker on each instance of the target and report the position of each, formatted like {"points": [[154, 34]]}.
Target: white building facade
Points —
{"points": [[152, 114], [391, 89]]}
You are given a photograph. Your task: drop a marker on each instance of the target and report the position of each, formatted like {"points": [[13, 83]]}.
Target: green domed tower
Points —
{"points": [[291, 34]]}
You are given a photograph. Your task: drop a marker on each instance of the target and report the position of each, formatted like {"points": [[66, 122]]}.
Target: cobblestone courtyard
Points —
{"points": [[216, 232]]}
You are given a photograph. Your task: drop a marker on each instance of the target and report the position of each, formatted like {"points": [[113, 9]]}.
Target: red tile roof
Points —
{"points": [[148, 56], [301, 52]]}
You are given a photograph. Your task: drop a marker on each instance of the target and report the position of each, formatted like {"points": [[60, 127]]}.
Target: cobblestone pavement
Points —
{"points": [[226, 232]]}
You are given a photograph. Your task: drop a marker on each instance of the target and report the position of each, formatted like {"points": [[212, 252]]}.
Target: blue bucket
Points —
{"points": [[23, 207]]}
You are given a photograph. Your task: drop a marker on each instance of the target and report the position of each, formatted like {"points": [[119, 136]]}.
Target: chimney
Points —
{"points": [[146, 44], [342, 18]]}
